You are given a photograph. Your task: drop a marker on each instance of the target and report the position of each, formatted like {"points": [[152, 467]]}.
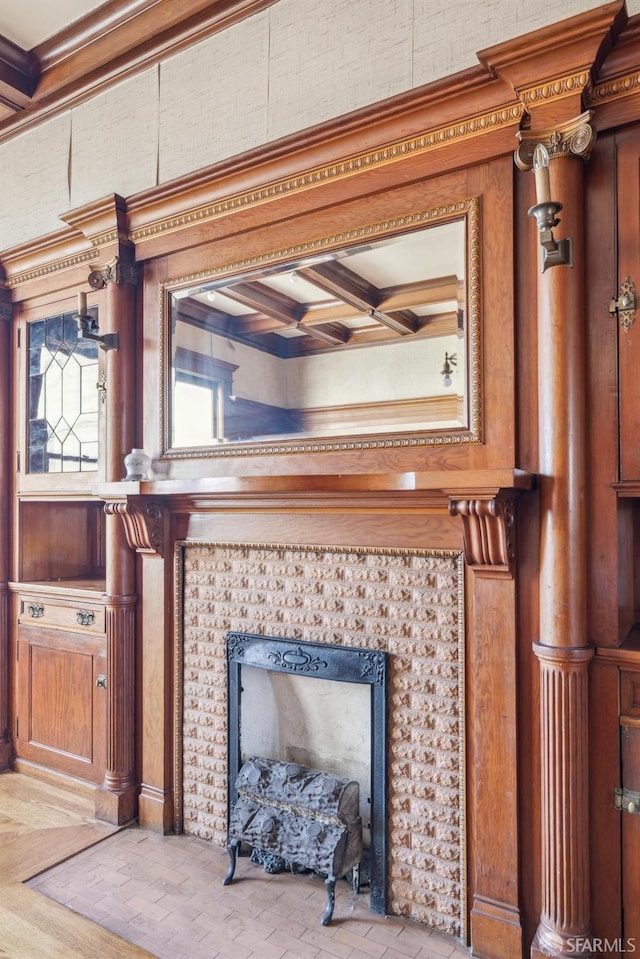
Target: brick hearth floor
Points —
{"points": [[165, 893]]}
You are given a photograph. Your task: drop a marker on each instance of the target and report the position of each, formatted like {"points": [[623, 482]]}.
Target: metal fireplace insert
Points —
{"points": [[308, 817]]}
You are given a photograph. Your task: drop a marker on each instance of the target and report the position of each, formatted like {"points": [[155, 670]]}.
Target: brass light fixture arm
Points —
{"points": [[554, 252], [87, 330], [534, 151]]}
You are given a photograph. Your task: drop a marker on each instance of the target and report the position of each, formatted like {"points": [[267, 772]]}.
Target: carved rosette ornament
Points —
{"points": [[143, 525], [488, 532], [574, 138]]}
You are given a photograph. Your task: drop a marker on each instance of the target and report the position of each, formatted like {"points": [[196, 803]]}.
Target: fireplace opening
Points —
{"points": [[278, 711], [325, 726]]}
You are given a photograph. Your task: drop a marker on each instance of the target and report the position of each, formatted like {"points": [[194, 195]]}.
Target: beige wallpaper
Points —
{"points": [[332, 56], [34, 173], [126, 161], [298, 63], [225, 83]]}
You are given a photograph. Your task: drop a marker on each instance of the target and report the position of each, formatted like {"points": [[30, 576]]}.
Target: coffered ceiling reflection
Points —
{"points": [[362, 340]]}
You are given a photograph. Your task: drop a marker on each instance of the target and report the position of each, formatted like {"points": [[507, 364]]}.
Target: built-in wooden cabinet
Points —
{"points": [[59, 624], [623, 665], [59, 540], [58, 551], [68, 595], [61, 678]]}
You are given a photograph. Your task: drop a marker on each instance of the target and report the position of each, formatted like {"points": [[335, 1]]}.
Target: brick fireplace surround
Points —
{"points": [[407, 603]]}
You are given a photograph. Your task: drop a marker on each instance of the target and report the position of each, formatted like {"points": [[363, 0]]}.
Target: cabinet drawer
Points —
{"points": [[42, 611]]}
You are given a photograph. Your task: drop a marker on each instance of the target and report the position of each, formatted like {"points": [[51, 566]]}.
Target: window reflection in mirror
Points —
{"points": [[367, 340]]}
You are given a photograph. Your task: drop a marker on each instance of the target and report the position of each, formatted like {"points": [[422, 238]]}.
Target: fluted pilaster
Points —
{"points": [[565, 814]]}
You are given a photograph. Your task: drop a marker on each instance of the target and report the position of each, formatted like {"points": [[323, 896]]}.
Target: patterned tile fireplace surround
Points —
{"points": [[407, 603]]}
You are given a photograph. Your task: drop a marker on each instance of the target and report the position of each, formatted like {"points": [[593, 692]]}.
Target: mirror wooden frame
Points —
{"points": [[467, 209]]}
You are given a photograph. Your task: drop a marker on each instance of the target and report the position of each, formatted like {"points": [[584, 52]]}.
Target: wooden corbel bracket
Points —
{"points": [[143, 524], [488, 525]]}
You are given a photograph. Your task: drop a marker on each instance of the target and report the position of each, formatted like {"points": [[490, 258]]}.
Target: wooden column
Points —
{"points": [[562, 650], [116, 800], [6, 316]]}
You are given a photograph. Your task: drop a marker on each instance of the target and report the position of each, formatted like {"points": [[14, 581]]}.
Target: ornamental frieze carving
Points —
{"points": [[64, 263], [143, 525], [488, 532], [607, 90], [451, 133], [556, 89]]}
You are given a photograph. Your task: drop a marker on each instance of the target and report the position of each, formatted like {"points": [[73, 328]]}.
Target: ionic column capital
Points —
{"points": [[120, 270], [574, 138]]}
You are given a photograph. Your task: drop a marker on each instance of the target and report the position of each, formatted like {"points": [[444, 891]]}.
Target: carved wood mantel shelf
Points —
{"points": [[484, 499]]}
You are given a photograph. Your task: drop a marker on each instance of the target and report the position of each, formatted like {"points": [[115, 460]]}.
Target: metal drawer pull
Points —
{"points": [[85, 617], [101, 681], [35, 610]]}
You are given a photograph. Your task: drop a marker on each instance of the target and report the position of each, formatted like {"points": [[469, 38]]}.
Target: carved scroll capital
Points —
{"points": [[118, 270], [143, 525], [488, 532], [573, 138]]}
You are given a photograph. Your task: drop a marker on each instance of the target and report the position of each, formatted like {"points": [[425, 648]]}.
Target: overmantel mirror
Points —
{"points": [[363, 340]]}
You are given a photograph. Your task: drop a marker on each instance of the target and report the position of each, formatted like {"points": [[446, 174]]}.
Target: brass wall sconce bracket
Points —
{"points": [[536, 149], [120, 271], [88, 330], [450, 361], [554, 252], [88, 327]]}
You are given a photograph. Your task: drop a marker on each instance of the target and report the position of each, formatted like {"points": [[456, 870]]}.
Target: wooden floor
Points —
{"points": [[41, 825]]}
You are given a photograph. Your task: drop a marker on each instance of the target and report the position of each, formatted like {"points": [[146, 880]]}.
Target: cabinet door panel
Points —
{"points": [[60, 691], [61, 708], [630, 735], [629, 327]]}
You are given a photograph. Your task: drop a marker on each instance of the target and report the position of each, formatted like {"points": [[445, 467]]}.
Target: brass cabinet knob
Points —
{"points": [[85, 617]]}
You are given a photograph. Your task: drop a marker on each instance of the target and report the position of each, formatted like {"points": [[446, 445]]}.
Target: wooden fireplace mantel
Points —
{"points": [[467, 484], [483, 499]]}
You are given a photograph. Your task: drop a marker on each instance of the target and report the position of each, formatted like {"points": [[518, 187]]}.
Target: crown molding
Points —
{"points": [[568, 51], [119, 39], [192, 204], [18, 78], [459, 121]]}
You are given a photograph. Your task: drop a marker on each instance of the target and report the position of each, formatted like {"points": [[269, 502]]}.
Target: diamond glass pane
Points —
{"points": [[62, 397]]}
